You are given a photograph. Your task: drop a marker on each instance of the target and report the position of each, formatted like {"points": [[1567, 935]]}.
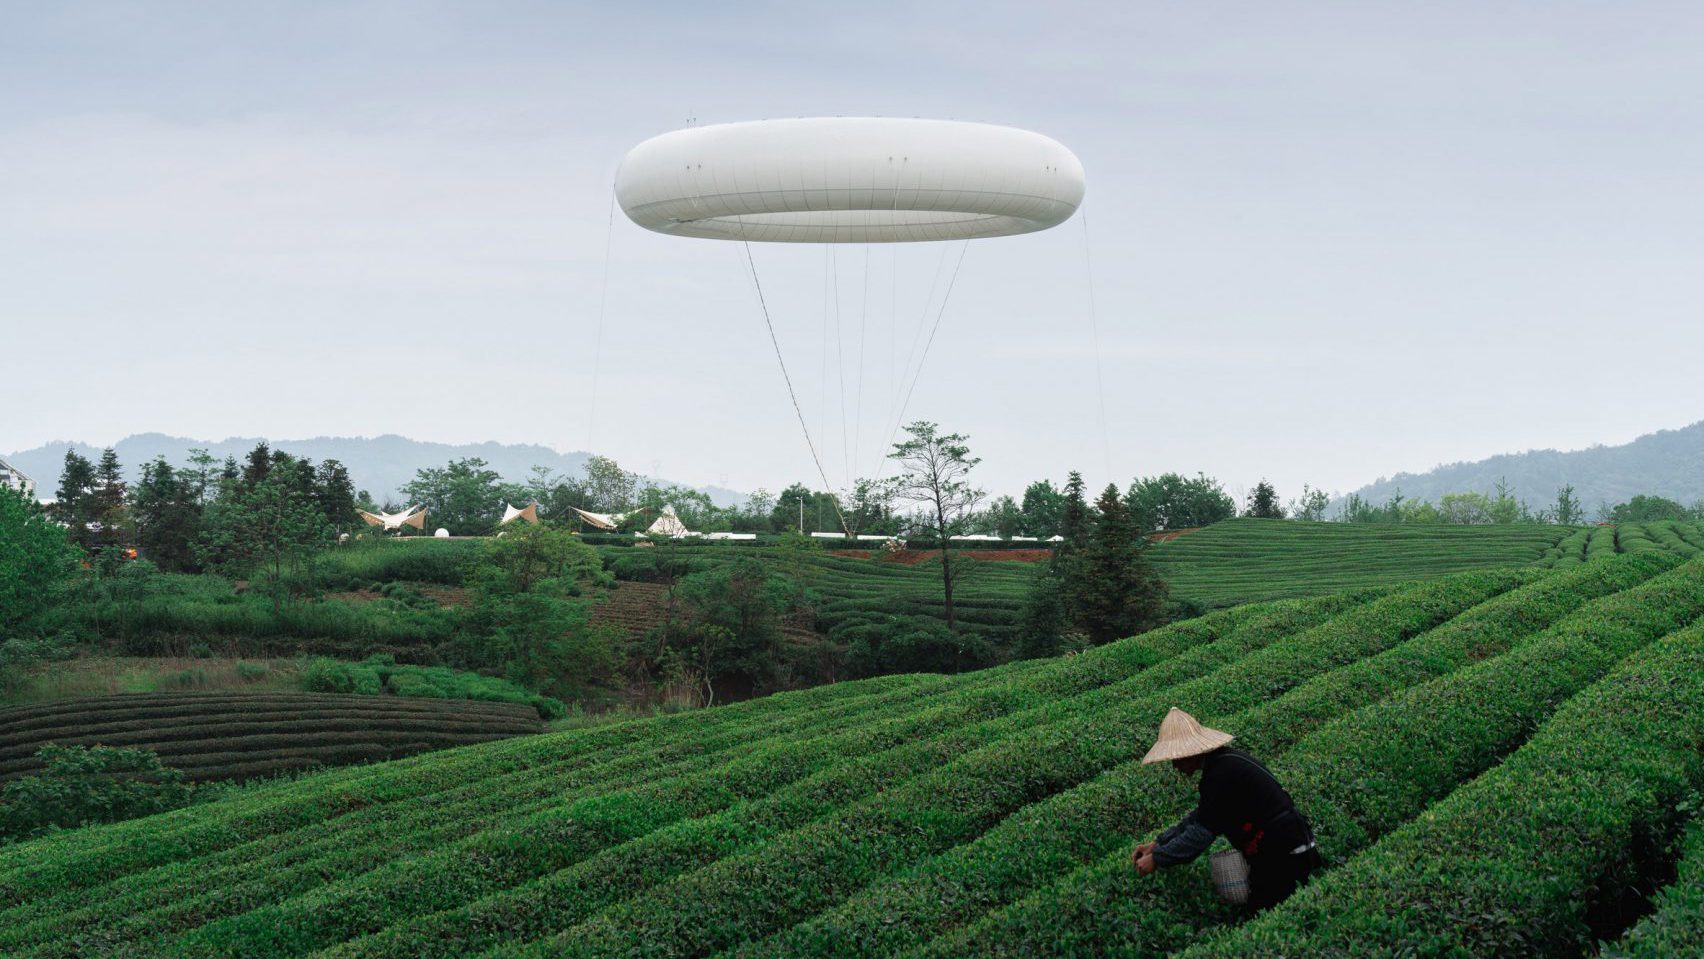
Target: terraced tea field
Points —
{"points": [[1479, 754], [1244, 560], [245, 735]]}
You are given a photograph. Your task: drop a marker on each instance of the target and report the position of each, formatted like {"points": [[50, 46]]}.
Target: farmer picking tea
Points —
{"points": [[1273, 846]]}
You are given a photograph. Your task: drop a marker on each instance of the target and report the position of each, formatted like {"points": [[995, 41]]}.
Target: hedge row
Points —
{"points": [[183, 731], [1054, 837], [801, 873], [1053, 678], [1676, 926], [568, 896], [1355, 777], [495, 860], [97, 855], [1523, 860]]}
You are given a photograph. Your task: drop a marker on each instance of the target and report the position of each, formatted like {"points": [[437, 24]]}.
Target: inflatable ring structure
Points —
{"points": [[849, 180]]}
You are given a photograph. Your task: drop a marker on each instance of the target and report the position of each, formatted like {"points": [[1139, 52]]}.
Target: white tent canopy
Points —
{"points": [[530, 514], [600, 520], [849, 180], [412, 516], [669, 524]]}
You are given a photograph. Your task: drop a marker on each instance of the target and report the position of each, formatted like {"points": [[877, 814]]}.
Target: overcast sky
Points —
{"points": [[1328, 241]]}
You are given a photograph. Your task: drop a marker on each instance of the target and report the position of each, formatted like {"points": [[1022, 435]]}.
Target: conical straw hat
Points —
{"points": [[1181, 736]]}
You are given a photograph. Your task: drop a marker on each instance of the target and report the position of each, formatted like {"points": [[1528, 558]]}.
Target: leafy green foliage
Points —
{"points": [[1115, 592], [1676, 926], [37, 564], [380, 675], [1516, 861], [1263, 502], [464, 497], [530, 618], [79, 785], [1646, 509], [1173, 501], [269, 530]]}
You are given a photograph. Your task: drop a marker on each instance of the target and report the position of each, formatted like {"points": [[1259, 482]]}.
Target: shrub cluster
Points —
{"points": [[378, 675], [1518, 861]]}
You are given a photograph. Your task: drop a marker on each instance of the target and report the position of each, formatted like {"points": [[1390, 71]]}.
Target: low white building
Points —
{"points": [[14, 478]]}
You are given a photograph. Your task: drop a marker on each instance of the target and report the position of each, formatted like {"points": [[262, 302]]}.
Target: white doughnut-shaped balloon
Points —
{"points": [[849, 180]]}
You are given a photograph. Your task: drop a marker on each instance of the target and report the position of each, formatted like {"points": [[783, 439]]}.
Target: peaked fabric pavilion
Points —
{"points": [[411, 516], [530, 514], [600, 520], [668, 524]]}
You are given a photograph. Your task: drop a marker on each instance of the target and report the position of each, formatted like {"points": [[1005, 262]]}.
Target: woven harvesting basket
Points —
{"points": [[1230, 875]]}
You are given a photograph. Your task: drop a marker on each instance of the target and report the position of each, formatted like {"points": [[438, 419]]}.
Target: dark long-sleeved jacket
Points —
{"points": [[1241, 801]]}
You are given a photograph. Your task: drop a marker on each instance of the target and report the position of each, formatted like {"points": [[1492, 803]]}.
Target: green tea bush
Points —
{"points": [[1676, 926], [983, 813], [1515, 862], [285, 931]]}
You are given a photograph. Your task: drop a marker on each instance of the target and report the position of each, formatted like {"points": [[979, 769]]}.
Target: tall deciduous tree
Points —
{"points": [[1174, 501], [270, 531], [610, 487], [1312, 506], [464, 497], [935, 474], [1042, 506], [37, 562]]}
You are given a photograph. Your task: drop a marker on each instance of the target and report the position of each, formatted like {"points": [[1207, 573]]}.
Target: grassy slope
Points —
{"points": [[972, 814]]}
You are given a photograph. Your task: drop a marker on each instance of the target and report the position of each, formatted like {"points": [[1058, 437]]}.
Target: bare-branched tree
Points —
{"points": [[935, 472]]}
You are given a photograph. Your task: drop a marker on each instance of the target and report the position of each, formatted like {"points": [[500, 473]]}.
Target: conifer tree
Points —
{"points": [[1117, 594], [107, 501], [73, 503], [1263, 502]]}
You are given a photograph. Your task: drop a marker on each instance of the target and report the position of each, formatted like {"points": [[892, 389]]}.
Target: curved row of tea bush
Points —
{"points": [[1676, 926], [1520, 861], [985, 813], [235, 736], [1053, 680], [1055, 837], [499, 858], [1368, 765], [534, 908], [1244, 560], [801, 873], [623, 749], [698, 735]]}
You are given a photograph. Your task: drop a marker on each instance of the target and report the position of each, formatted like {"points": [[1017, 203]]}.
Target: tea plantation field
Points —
{"points": [[1243, 560], [1498, 762], [247, 735]]}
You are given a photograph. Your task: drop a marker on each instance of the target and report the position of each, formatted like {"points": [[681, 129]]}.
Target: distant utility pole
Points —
{"points": [[801, 516]]}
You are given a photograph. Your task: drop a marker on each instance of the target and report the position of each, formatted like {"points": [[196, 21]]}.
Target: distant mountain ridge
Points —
{"points": [[378, 464], [1665, 463]]}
